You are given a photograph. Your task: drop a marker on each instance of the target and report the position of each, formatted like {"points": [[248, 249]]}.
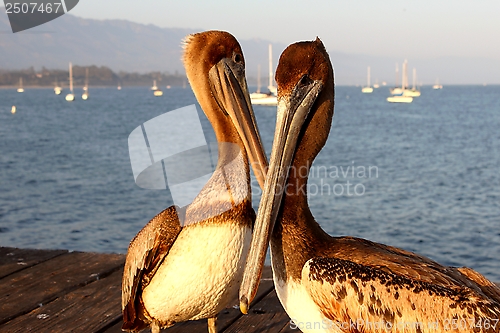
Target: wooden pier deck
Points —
{"points": [[61, 291]]}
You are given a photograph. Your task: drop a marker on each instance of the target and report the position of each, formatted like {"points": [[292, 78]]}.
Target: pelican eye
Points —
{"points": [[237, 58], [304, 80]]}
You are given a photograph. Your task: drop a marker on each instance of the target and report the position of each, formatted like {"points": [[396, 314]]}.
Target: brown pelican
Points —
{"points": [[345, 284], [176, 273]]}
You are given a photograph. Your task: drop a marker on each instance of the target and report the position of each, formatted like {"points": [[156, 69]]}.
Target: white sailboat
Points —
{"points": [[258, 94], [156, 91], [85, 94], [57, 88], [261, 98], [269, 98], [401, 97], [396, 90], [272, 88], [20, 89], [368, 89], [154, 87], [437, 85], [413, 92], [70, 97]]}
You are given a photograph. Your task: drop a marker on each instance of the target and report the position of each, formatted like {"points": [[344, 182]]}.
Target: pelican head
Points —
{"points": [[305, 110], [215, 67]]}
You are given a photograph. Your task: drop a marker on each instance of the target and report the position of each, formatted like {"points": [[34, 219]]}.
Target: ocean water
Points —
{"points": [[424, 176]]}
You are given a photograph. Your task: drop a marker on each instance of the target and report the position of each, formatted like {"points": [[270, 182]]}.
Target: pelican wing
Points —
{"points": [[408, 264], [360, 298], [487, 287], [145, 254]]}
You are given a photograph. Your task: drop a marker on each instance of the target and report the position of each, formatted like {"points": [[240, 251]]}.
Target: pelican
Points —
{"points": [[344, 284], [176, 273]]}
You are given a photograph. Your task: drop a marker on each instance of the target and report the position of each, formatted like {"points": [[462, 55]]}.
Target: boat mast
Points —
{"points": [[258, 78], [86, 79], [397, 75], [70, 77], [414, 78], [368, 77], [404, 78], [270, 66]]}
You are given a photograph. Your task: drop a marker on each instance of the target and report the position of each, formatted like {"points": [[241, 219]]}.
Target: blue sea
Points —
{"points": [[424, 176]]}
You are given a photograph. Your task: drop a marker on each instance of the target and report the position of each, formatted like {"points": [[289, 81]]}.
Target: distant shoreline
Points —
{"points": [[251, 87], [81, 87]]}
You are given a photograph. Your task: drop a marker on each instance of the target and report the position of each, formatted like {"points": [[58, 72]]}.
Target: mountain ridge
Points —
{"points": [[127, 46]]}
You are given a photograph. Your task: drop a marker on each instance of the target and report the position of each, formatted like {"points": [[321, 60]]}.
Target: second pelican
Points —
{"points": [[345, 284]]}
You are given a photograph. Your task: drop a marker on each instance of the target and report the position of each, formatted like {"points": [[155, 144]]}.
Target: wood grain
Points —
{"points": [[58, 291], [14, 259], [35, 286], [87, 309], [266, 316]]}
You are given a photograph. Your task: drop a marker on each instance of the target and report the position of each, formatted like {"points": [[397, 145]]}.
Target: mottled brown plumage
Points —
{"points": [[345, 280], [153, 243]]}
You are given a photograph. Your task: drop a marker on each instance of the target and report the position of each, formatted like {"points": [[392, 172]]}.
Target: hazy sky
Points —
{"points": [[401, 28]]}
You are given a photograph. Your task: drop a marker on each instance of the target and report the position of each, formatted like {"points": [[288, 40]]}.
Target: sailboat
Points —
{"points": [[399, 99], [156, 91], [413, 92], [70, 97], [269, 98], [258, 94], [20, 89], [396, 90], [399, 93], [85, 94], [437, 85], [57, 88], [368, 89]]}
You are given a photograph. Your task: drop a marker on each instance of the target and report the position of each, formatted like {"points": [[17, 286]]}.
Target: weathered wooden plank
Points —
{"points": [[225, 318], [87, 309], [25, 290], [289, 329], [266, 316], [14, 259], [81, 292]]}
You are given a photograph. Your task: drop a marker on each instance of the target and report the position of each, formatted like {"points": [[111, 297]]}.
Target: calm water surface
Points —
{"points": [[424, 176]]}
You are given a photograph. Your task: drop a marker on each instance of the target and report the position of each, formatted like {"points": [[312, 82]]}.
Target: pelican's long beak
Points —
{"points": [[229, 87], [293, 110]]}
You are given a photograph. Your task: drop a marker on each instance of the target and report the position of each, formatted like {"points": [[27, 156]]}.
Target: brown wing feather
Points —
{"points": [[374, 299], [400, 262], [145, 254], [487, 287]]}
